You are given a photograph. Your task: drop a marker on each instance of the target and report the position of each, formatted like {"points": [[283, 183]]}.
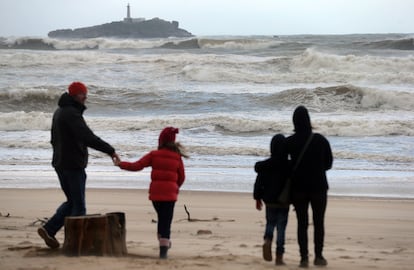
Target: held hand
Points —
{"points": [[259, 205], [115, 159]]}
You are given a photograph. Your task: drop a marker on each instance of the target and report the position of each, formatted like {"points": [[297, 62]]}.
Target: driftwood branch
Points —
{"points": [[7, 215], [204, 220], [188, 213], [40, 221]]}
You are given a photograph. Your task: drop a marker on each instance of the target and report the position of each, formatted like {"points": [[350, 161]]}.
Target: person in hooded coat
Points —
{"points": [[309, 183], [70, 138], [271, 178]]}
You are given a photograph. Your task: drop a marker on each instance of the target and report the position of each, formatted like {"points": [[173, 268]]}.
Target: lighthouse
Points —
{"points": [[128, 17], [128, 12]]}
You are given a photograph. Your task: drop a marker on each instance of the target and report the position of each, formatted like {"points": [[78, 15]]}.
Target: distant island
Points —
{"points": [[128, 28]]}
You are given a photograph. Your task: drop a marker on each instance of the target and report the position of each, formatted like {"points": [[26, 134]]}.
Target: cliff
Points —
{"points": [[154, 28]]}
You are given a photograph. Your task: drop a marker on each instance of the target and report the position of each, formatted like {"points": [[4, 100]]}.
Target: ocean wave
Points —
{"points": [[186, 44], [213, 43], [110, 100], [29, 43], [132, 149], [36, 98], [316, 66], [22, 121], [392, 41], [237, 43], [375, 157], [310, 66], [116, 43], [343, 98], [396, 44], [373, 124], [26, 43]]}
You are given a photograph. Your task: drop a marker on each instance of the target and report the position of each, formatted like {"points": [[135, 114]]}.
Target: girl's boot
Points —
{"points": [[164, 246], [163, 252]]}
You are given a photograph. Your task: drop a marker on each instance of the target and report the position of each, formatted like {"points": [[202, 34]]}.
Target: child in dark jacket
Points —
{"points": [[271, 178], [167, 176]]}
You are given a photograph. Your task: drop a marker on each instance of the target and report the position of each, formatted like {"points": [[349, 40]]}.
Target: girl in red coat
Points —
{"points": [[167, 176]]}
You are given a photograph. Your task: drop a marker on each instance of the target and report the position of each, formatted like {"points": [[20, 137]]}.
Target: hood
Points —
{"points": [[278, 146], [301, 120], [67, 100]]}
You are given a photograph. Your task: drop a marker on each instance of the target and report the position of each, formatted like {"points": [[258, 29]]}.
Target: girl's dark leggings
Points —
{"points": [[165, 212]]}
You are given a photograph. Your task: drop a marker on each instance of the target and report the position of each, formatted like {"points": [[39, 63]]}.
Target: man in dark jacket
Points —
{"points": [[271, 178], [309, 185], [70, 138]]}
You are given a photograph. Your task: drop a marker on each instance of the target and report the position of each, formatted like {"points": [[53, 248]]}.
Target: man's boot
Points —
{"points": [[279, 259], [267, 250]]}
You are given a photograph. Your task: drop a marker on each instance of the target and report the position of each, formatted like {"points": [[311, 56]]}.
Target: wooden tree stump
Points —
{"points": [[99, 235]]}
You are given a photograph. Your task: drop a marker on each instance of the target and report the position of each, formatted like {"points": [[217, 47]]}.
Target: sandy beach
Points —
{"points": [[361, 233]]}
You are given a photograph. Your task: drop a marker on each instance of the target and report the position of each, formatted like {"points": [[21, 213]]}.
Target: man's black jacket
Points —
{"points": [[71, 136]]}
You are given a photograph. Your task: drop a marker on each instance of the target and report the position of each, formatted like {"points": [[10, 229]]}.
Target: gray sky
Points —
{"points": [[214, 17]]}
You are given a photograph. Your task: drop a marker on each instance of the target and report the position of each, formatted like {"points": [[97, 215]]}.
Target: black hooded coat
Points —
{"points": [[272, 173], [71, 137], [310, 175]]}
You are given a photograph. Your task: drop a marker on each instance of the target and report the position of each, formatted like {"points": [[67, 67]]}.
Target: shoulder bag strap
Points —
{"points": [[303, 152]]}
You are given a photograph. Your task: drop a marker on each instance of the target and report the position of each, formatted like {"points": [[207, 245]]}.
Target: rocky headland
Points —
{"points": [[153, 28]]}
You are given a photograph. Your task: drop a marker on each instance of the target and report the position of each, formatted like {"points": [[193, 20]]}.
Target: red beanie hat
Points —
{"points": [[77, 88], [167, 135]]}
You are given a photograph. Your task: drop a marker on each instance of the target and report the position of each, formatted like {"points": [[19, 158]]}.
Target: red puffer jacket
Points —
{"points": [[167, 174]]}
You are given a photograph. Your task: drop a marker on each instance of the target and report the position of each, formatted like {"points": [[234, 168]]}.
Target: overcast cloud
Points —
{"points": [[214, 17]]}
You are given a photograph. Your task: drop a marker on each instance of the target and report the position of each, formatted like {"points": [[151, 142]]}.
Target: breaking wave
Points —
{"points": [[398, 44], [343, 98], [321, 99], [395, 42], [350, 125]]}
